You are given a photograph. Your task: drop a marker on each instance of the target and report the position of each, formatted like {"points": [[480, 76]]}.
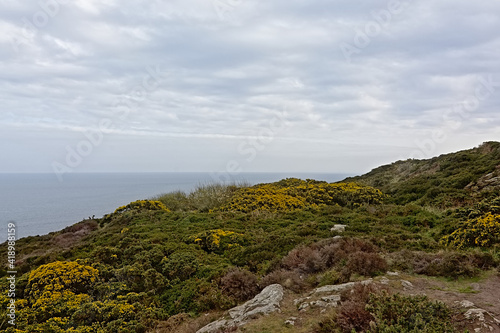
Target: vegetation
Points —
{"points": [[154, 263]]}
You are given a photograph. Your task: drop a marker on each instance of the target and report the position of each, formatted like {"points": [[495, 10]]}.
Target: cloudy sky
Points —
{"points": [[244, 85]]}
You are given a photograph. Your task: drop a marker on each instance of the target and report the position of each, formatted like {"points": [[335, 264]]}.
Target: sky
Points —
{"points": [[232, 86]]}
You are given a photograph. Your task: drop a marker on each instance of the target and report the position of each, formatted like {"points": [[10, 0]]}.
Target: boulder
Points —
{"points": [[338, 228], [268, 301]]}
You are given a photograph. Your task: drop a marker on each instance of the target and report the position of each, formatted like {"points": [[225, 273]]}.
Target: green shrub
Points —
{"points": [[408, 314]]}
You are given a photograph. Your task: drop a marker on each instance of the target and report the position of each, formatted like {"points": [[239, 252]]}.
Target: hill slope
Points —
{"points": [[449, 180], [172, 263]]}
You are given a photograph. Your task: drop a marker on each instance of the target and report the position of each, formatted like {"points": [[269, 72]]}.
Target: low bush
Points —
{"points": [[446, 264], [291, 280], [408, 314], [239, 284]]}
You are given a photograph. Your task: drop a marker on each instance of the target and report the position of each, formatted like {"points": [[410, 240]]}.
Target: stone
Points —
{"points": [[338, 228], [384, 280], [465, 304], [304, 306], [406, 284], [332, 299], [268, 301], [338, 287], [392, 273], [301, 300], [318, 304], [291, 321], [483, 319]]}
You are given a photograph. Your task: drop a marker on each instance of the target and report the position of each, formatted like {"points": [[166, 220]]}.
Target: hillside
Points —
{"points": [[178, 262], [449, 180]]}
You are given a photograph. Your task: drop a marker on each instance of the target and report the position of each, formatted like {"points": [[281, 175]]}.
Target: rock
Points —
{"points": [[483, 319], [392, 273], [215, 326], [384, 280], [268, 301], [333, 288], [304, 306], [290, 321], [465, 304], [318, 304], [332, 300], [301, 300], [338, 287], [406, 284], [338, 228]]}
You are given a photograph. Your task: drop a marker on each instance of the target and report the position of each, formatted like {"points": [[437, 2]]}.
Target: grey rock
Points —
{"points": [[304, 306], [338, 228], [268, 301], [331, 299], [406, 284], [384, 280], [214, 326], [338, 287], [319, 304], [465, 304], [301, 300]]}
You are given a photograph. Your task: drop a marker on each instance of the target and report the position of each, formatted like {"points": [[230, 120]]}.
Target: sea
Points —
{"points": [[38, 204]]}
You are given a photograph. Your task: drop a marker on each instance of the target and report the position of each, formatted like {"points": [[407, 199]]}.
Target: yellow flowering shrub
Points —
{"points": [[218, 240], [290, 194], [482, 231], [142, 205], [60, 276]]}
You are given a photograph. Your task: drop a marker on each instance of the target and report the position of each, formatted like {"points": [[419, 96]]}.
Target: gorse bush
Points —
{"points": [[142, 205], [292, 193], [218, 240], [483, 231]]}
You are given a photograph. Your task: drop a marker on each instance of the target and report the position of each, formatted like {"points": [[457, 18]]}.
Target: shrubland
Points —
{"points": [[152, 263]]}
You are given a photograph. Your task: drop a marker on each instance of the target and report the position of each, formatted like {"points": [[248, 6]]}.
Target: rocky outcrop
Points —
{"points": [[487, 182], [268, 301], [480, 319]]}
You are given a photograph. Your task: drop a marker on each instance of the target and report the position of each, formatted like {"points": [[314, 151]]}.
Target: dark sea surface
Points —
{"points": [[40, 203]]}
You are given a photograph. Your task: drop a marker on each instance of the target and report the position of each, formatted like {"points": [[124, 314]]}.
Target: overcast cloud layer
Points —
{"points": [[244, 85]]}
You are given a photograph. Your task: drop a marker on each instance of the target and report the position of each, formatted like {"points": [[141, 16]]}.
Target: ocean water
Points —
{"points": [[40, 203]]}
